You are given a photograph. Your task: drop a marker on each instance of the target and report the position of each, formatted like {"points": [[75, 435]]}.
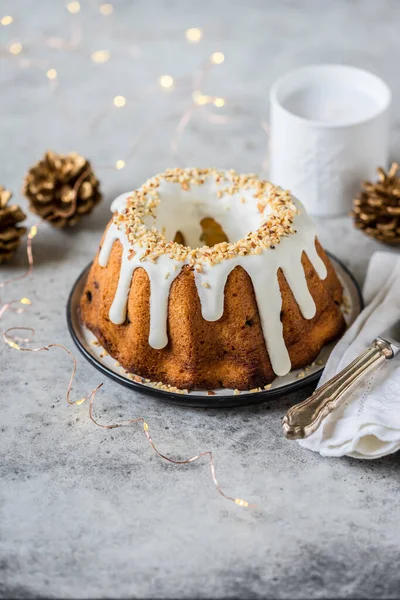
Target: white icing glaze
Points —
{"points": [[183, 210]]}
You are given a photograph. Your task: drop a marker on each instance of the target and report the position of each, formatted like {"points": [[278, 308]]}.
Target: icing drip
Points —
{"points": [[161, 276], [210, 281]]}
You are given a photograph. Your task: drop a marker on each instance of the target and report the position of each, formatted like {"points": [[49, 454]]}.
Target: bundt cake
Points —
{"points": [[260, 302]]}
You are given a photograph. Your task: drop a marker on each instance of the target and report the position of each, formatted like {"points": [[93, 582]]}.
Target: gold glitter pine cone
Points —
{"points": [[10, 232], [61, 188], [376, 210]]}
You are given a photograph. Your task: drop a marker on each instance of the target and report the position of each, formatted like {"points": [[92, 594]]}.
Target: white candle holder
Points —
{"points": [[329, 131]]}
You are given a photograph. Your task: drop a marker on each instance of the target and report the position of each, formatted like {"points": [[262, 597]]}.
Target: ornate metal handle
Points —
{"points": [[303, 419]]}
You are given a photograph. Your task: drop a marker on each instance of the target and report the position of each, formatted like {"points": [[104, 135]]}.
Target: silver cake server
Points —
{"points": [[303, 419]]}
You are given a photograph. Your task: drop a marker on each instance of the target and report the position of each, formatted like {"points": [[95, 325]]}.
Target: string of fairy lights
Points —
{"points": [[12, 337], [166, 82], [18, 337]]}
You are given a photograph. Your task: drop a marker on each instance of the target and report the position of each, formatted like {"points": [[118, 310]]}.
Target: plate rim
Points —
{"points": [[195, 400]]}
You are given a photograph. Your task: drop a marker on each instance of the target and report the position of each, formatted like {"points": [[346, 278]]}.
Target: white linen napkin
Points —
{"points": [[368, 423]]}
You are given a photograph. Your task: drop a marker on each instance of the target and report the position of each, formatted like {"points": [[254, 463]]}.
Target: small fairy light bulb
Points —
{"points": [[51, 74], [6, 20], [12, 344], [119, 101], [32, 232], [15, 48], [25, 301], [120, 164], [219, 102], [145, 426], [200, 98], [80, 401], [217, 58], [100, 56], [73, 7], [193, 35], [106, 9], [166, 81], [241, 502]]}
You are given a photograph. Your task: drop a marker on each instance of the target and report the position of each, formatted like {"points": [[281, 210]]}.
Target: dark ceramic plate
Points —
{"points": [[84, 340]]}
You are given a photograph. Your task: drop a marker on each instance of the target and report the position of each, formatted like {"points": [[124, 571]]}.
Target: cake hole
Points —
{"points": [[197, 216], [89, 295], [212, 232], [249, 322], [96, 285], [179, 239]]}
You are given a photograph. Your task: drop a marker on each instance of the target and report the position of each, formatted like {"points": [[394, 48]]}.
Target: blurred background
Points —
{"points": [[139, 86]]}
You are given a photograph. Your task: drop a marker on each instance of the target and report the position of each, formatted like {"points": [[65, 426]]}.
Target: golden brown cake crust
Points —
{"points": [[200, 354]]}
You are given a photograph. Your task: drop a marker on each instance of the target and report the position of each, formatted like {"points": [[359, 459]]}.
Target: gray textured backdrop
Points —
{"points": [[87, 512]]}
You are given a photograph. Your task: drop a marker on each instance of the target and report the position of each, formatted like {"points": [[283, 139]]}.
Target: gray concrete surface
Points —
{"points": [[90, 513]]}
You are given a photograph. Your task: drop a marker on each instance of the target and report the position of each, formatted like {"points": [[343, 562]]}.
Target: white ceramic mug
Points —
{"points": [[329, 131]]}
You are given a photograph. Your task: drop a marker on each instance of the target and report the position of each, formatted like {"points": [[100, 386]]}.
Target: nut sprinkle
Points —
{"points": [[275, 223]]}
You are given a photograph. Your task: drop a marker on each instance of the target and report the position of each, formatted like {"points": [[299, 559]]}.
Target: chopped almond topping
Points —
{"points": [[144, 202]]}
